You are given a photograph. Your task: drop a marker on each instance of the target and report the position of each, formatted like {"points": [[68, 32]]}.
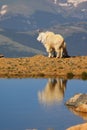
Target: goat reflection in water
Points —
{"points": [[53, 92]]}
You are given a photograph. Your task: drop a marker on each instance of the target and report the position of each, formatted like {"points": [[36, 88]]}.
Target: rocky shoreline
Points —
{"points": [[42, 66]]}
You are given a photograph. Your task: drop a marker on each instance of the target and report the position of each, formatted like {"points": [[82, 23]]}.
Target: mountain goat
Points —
{"points": [[53, 43]]}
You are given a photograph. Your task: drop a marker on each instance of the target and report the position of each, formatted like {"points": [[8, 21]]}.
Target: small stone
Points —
{"points": [[1, 55], [78, 102]]}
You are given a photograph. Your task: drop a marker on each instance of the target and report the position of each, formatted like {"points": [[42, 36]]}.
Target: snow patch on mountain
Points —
{"points": [[3, 10], [74, 3]]}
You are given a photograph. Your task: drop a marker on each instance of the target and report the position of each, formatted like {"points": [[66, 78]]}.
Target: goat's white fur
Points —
{"points": [[53, 43]]}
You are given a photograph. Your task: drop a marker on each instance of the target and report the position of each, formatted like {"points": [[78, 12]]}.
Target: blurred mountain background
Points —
{"points": [[20, 21]]}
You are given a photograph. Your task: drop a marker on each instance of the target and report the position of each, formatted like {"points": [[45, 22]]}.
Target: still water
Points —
{"points": [[38, 104]]}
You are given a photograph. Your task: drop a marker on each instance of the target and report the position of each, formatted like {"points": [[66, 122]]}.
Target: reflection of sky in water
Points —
{"points": [[21, 108]]}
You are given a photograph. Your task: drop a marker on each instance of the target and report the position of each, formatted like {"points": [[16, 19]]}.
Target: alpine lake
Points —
{"points": [[39, 103]]}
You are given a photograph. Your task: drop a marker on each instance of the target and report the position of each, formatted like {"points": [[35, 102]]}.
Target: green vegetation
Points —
{"points": [[84, 75], [41, 75], [70, 75]]}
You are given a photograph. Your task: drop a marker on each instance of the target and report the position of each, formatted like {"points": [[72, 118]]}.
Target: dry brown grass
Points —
{"points": [[42, 66]]}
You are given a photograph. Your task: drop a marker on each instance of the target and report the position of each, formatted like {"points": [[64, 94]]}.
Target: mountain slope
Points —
{"points": [[11, 46], [31, 15], [15, 44], [20, 18]]}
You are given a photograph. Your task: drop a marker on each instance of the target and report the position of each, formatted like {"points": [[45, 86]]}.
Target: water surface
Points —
{"points": [[26, 104]]}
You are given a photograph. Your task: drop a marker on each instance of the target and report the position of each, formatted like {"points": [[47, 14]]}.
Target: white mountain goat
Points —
{"points": [[53, 43]]}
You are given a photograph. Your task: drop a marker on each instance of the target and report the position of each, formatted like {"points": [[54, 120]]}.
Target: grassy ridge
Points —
{"points": [[41, 66]]}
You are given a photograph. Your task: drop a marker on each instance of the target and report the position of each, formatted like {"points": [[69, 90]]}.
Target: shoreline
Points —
{"points": [[42, 66]]}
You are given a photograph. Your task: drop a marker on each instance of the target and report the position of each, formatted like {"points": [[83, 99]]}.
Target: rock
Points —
{"points": [[1, 55], [78, 102], [78, 127]]}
